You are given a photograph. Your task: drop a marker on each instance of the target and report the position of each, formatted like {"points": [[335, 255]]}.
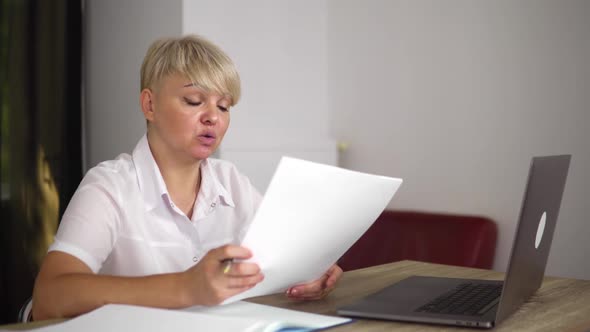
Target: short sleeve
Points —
{"points": [[89, 227]]}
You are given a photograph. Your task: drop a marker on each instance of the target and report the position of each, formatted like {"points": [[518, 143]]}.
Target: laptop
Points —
{"points": [[482, 303]]}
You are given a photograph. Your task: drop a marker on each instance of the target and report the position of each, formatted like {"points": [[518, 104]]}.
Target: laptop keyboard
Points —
{"points": [[466, 299]]}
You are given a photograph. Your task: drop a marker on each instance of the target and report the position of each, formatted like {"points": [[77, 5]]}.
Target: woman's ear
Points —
{"points": [[146, 99]]}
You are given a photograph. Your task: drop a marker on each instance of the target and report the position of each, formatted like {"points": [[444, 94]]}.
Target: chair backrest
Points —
{"points": [[430, 237], [25, 314]]}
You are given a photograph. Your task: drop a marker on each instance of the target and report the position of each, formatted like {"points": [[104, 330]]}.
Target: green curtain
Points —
{"points": [[40, 124]]}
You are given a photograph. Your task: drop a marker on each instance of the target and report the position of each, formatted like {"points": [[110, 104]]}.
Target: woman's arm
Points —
{"points": [[67, 287]]}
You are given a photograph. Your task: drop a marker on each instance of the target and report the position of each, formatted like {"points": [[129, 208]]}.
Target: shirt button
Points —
{"points": [[195, 259], [213, 204]]}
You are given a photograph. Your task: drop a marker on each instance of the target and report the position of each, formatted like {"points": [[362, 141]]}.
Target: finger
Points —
{"points": [[334, 274], [245, 282], [227, 287], [231, 251], [308, 297], [229, 292], [223, 256], [328, 283], [311, 289], [242, 269]]}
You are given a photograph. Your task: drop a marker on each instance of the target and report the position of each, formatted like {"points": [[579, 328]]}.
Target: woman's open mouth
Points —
{"points": [[206, 138]]}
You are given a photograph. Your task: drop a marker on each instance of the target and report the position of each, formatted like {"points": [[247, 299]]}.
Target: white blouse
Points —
{"points": [[122, 221]]}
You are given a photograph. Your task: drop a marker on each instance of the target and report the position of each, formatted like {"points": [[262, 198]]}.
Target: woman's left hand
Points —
{"points": [[317, 289]]}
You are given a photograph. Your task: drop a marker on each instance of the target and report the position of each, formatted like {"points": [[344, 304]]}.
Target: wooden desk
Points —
{"points": [[559, 305]]}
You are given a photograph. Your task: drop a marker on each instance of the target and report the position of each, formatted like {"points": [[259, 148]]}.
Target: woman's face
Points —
{"points": [[185, 121]]}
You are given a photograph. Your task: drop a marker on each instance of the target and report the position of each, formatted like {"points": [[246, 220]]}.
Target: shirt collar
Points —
{"points": [[152, 185], [151, 182], [211, 187]]}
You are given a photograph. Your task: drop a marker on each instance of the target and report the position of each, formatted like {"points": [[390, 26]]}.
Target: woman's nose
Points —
{"points": [[210, 114]]}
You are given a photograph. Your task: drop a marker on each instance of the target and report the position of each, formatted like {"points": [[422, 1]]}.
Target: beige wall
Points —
{"points": [[457, 96]]}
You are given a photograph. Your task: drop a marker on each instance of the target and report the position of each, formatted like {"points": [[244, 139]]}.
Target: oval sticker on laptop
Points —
{"points": [[540, 230]]}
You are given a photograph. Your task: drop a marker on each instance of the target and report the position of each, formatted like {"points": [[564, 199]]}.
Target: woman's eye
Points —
{"points": [[192, 102], [223, 108]]}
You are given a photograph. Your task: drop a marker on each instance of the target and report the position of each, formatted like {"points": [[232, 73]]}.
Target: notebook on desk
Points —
{"points": [[482, 303]]}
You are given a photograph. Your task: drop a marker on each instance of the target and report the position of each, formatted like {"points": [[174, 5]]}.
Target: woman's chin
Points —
{"points": [[202, 153]]}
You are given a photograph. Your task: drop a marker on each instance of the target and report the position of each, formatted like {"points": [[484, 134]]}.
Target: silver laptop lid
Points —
{"points": [[534, 232]]}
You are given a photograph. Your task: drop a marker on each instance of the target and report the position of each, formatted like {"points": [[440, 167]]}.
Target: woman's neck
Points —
{"points": [[183, 185], [182, 178]]}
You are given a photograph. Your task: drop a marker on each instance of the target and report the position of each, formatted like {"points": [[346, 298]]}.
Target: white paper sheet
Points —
{"points": [[310, 215], [235, 317], [260, 312], [125, 318]]}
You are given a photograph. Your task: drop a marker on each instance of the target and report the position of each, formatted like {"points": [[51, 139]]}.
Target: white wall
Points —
{"points": [[456, 96], [279, 47], [116, 37]]}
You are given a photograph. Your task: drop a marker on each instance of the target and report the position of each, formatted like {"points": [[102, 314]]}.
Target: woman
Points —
{"points": [[155, 228]]}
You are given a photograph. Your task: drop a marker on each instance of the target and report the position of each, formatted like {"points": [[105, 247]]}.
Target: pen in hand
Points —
{"points": [[227, 263]]}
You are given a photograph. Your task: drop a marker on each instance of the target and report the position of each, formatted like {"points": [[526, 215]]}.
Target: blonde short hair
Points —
{"points": [[201, 61]]}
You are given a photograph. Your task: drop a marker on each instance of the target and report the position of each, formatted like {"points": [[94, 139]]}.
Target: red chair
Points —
{"points": [[429, 237]]}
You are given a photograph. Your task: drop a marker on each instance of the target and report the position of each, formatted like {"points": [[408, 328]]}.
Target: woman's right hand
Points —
{"points": [[209, 282]]}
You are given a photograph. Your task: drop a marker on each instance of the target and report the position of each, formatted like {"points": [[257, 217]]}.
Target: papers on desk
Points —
{"points": [[277, 317], [310, 215], [235, 317]]}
